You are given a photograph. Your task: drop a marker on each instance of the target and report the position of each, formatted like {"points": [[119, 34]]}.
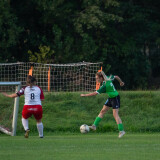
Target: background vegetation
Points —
{"points": [[124, 35]]}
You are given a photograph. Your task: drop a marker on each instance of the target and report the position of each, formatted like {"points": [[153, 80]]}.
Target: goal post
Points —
{"points": [[12, 131]]}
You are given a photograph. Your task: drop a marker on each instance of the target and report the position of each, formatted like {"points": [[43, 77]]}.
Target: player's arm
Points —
{"points": [[90, 94], [41, 95], [119, 80], [102, 89], [10, 95]]}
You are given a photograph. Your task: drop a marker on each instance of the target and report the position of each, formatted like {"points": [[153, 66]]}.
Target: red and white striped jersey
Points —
{"points": [[33, 95]]}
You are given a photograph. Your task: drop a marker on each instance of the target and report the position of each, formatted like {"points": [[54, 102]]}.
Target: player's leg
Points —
{"points": [[116, 105], [25, 123], [119, 122], [38, 116], [26, 127], [26, 113], [99, 117], [116, 116], [103, 111], [40, 128], [115, 102]]}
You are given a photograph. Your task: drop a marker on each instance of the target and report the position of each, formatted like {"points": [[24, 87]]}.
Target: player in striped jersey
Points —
{"points": [[33, 95]]}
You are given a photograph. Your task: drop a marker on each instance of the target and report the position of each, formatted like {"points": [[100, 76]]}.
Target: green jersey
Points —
{"points": [[108, 87]]}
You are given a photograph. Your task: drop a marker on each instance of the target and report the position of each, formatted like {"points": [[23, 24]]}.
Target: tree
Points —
{"points": [[44, 56], [9, 32]]}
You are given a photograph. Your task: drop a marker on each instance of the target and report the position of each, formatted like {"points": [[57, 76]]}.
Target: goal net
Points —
{"points": [[70, 77], [9, 108]]}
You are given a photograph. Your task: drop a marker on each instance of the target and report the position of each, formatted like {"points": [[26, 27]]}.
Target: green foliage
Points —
{"points": [[9, 32], [45, 55], [124, 35]]}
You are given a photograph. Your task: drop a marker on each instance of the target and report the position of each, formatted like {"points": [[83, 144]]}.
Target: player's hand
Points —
{"points": [[82, 95], [122, 84]]}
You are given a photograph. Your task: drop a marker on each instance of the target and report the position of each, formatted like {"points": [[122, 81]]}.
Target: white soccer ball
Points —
{"points": [[84, 128]]}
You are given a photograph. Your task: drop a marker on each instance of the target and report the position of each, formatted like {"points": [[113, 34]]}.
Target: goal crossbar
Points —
{"points": [[10, 83]]}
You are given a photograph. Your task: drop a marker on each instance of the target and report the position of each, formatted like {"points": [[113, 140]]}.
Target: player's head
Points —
{"points": [[30, 81], [99, 77]]}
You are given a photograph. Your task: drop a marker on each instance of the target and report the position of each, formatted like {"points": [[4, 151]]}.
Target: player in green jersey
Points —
{"points": [[113, 100]]}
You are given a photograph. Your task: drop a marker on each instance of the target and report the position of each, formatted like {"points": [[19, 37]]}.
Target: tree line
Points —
{"points": [[123, 34]]}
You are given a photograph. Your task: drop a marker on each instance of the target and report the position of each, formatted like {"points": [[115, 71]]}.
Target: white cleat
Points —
{"points": [[121, 134], [93, 127]]}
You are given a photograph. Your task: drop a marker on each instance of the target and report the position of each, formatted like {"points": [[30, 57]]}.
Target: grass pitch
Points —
{"points": [[81, 147]]}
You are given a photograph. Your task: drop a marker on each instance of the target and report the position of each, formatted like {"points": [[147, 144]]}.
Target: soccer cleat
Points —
{"points": [[121, 134], [93, 127], [41, 137], [26, 135]]}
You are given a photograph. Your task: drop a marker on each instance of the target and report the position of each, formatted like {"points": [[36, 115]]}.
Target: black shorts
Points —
{"points": [[113, 102]]}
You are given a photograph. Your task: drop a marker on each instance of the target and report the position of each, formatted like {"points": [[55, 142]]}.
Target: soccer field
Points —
{"points": [[81, 147]]}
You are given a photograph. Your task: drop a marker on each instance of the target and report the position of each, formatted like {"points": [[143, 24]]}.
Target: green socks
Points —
{"points": [[120, 127], [97, 121]]}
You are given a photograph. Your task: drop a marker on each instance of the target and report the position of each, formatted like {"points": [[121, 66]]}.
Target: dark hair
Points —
{"points": [[99, 74], [30, 80]]}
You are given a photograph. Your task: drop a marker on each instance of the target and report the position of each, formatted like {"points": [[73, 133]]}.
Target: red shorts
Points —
{"points": [[29, 110]]}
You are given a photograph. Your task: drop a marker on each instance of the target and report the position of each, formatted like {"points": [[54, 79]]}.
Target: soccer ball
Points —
{"points": [[84, 128]]}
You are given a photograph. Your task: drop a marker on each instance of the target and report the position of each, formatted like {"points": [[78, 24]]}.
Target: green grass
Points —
{"points": [[65, 112], [81, 147]]}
